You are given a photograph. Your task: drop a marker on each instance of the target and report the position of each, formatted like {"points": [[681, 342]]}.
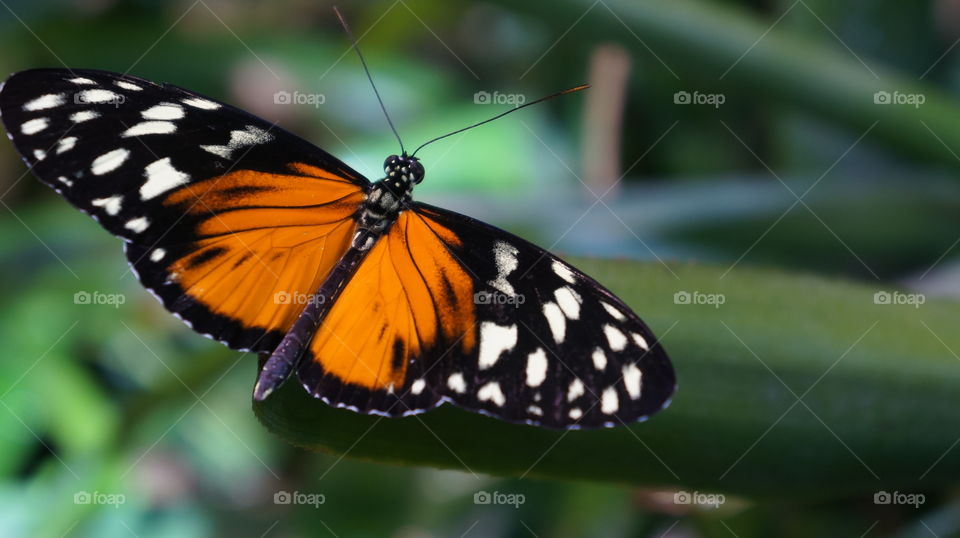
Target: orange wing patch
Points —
{"points": [[409, 295], [266, 242]]}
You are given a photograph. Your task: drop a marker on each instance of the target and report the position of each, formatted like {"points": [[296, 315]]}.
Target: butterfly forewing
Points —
{"points": [[212, 202]]}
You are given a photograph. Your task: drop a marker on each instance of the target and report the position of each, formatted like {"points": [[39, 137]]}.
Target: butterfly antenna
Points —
{"points": [[356, 47], [502, 114]]}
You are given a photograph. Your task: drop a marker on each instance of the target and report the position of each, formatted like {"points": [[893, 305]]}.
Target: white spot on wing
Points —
{"points": [[127, 85], [631, 380], [536, 367], [609, 403], [575, 391], [576, 413], [494, 340], [39, 154], [564, 272], [149, 128], [110, 204], [457, 383], [81, 80], [161, 177], [99, 96], [251, 136], [599, 359], [84, 115], [138, 224], [44, 102], [157, 254], [163, 111], [569, 302], [505, 256], [66, 144], [615, 338], [535, 410], [219, 151], [418, 386], [613, 311], [65, 181], [201, 103], [556, 320], [34, 126], [640, 341], [109, 161], [491, 392]]}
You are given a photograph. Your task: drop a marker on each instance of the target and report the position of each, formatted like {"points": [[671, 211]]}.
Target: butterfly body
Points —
{"points": [[387, 198], [372, 301]]}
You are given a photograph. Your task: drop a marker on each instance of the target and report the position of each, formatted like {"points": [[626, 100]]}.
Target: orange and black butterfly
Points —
{"points": [[374, 302]]}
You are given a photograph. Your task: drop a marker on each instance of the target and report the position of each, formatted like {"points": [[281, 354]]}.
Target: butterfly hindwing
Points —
{"points": [[211, 201], [489, 322], [406, 309]]}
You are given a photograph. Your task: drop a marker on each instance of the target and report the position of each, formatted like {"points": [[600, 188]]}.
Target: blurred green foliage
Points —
{"points": [[124, 403]]}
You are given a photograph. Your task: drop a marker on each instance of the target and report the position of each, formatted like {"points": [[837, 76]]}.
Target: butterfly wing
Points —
{"points": [[407, 304], [448, 309], [211, 201]]}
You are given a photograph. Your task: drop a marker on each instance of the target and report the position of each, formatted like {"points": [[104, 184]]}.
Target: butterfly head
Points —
{"points": [[403, 172]]}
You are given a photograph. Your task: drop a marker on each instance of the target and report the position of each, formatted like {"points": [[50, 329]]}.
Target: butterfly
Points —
{"points": [[374, 302]]}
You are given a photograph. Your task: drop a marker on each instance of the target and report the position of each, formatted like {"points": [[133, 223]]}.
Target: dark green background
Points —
{"points": [[126, 401]]}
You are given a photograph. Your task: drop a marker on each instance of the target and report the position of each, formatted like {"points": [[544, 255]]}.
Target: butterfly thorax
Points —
{"points": [[387, 198]]}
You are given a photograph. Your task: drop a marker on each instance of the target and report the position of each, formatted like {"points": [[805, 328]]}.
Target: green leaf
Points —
{"points": [[871, 403]]}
